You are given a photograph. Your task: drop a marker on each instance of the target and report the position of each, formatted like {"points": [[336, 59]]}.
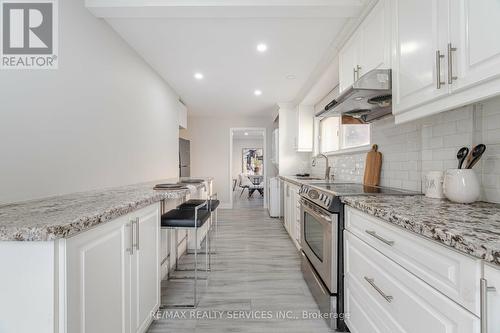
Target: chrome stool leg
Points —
{"points": [[196, 278]]}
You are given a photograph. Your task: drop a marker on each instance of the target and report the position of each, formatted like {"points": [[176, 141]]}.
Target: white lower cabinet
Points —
{"points": [[382, 296], [455, 275], [113, 275], [292, 212], [396, 281], [492, 294], [145, 270]]}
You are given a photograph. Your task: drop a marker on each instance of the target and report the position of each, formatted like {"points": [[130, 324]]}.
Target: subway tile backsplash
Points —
{"points": [[412, 149]]}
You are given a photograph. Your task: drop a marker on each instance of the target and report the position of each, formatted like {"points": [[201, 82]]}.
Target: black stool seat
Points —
{"points": [[183, 218], [190, 204]]}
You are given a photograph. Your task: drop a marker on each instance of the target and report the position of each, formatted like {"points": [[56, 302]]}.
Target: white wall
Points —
{"points": [[238, 145], [210, 148], [104, 118], [412, 149]]}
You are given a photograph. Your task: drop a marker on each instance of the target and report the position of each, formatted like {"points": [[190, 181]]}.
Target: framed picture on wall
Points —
{"points": [[252, 161]]}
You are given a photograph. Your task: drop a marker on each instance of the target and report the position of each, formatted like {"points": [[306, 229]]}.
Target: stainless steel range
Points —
{"points": [[322, 225]]}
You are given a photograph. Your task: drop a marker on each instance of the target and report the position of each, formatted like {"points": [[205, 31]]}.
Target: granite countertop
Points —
{"points": [[67, 215], [472, 229]]}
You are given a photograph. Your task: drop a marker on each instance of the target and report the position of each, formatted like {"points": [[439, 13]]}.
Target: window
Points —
{"points": [[355, 136], [334, 136]]}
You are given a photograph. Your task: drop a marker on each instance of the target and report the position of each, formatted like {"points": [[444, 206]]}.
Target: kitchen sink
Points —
{"points": [[309, 178]]}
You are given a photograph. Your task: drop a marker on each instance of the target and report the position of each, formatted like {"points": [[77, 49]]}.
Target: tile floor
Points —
{"points": [[256, 272]]}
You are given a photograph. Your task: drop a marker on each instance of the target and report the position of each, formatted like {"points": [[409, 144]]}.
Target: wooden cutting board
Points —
{"points": [[373, 166]]}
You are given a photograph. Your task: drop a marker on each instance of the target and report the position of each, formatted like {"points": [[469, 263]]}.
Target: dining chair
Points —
{"points": [[245, 183]]}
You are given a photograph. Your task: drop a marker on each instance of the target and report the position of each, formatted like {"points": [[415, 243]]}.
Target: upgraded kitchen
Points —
{"points": [[250, 166]]}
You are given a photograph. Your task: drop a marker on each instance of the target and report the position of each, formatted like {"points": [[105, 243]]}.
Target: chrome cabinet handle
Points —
{"points": [[372, 283], [382, 239], [131, 239], [358, 71], [484, 289], [354, 74], [439, 56], [137, 229], [451, 77]]}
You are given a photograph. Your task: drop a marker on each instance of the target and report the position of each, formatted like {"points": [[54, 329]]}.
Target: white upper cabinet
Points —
{"points": [[375, 39], [368, 48], [349, 62], [420, 30], [446, 54], [474, 26], [305, 128]]}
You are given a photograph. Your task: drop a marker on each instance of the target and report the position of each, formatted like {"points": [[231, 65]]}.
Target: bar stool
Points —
{"points": [[188, 219], [213, 204]]}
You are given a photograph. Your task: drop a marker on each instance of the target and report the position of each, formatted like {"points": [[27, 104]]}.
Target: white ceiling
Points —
{"points": [[222, 46]]}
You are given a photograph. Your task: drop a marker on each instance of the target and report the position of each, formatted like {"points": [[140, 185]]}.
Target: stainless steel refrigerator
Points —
{"points": [[184, 158]]}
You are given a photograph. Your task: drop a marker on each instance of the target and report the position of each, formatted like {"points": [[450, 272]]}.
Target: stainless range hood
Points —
{"points": [[368, 99]]}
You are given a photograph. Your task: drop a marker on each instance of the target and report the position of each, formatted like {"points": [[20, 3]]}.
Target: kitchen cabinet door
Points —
{"points": [[296, 221], [305, 125], [349, 57], [420, 29], [98, 279], [291, 215], [475, 26], [375, 40], [145, 291], [286, 212], [396, 298], [492, 276]]}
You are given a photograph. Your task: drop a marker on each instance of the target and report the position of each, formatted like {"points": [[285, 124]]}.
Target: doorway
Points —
{"points": [[248, 164]]}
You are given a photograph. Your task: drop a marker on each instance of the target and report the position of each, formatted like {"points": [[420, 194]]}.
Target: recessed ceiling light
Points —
{"points": [[246, 133], [198, 76], [262, 47], [291, 77], [257, 92]]}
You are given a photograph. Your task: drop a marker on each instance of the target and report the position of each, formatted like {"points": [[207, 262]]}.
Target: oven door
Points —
{"points": [[319, 241]]}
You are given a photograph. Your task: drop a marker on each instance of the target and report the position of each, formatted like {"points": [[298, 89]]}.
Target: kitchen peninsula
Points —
{"points": [[84, 259]]}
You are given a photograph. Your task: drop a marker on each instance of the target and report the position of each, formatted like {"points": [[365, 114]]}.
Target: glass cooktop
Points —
{"points": [[359, 189]]}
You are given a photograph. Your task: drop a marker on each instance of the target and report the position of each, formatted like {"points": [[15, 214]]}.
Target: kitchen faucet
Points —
{"points": [[327, 168]]}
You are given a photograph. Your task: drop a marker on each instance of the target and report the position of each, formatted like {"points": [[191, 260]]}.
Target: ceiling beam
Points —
{"points": [[225, 8]]}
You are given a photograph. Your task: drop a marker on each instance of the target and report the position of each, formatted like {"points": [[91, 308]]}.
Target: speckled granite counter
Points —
{"points": [[67, 215], [473, 229]]}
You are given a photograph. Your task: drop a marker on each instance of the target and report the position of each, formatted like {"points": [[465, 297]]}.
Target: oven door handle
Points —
{"points": [[318, 215], [323, 219]]}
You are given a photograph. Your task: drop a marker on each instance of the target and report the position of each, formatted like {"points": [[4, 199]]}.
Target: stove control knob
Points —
{"points": [[313, 194]]}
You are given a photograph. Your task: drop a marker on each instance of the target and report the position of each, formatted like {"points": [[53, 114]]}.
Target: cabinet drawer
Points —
{"points": [[453, 274], [362, 312], [398, 298]]}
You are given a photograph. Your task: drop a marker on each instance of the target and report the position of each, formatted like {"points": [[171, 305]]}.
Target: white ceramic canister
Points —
{"points": [[433, 185], [461, 185]]}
